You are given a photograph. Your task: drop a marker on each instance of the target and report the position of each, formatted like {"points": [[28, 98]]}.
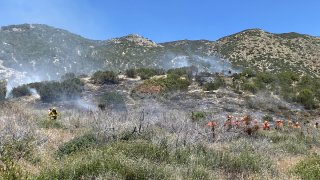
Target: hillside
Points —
{"points": [[267, 51], [33, 52]]}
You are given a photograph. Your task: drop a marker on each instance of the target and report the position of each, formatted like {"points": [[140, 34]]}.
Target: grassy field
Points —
{"points": [[140, 145]]}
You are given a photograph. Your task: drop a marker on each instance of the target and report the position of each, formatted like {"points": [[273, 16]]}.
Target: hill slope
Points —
{"points": [[39, 52]]}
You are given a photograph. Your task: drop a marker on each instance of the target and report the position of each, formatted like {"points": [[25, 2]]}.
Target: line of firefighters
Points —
{"points": [[250, 127]]}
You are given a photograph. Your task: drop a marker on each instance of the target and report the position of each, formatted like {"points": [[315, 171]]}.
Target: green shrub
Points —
{"points": [[197, 115], [306, 98], [19, 91], [266, 77], [77, 144], [287, 77], [50, 91], [250, 87], [267, 118], [308, 168], [249, 73], [105, 77]]}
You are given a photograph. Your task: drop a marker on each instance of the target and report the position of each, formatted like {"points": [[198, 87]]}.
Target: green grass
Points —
{"points": [[77, 144], [308, 168], [290, 141], [141, 159], [50, 123]]}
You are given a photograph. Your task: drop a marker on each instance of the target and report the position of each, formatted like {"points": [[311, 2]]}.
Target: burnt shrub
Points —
{"points": [[105, 77], [131, 73]]}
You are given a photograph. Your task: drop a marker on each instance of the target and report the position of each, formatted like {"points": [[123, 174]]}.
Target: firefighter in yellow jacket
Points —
{"points": [[53, 114]]}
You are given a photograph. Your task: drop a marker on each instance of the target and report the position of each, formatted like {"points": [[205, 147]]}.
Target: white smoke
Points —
{"points": [[23, 78], [212, 64], [82, 104], [34, 93]]}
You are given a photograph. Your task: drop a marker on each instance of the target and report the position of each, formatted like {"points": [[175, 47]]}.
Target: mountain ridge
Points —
{"points": [[48, 52]]}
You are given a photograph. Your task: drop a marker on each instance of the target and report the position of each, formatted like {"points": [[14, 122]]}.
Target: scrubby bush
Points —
{"points": [[249, 73], [266, 77], [197, 115], [306, 98], [19, 91], [250, 87], [77, 144], [289, 85], [105, 77], [267, 118], [3, 90]]}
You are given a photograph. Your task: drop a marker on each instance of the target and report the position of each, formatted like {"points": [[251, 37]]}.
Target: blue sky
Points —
{"points": [[165, 20]]}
